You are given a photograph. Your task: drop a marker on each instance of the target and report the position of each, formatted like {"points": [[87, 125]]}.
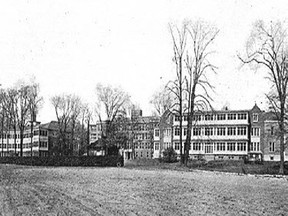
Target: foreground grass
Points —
{"points": [[122, 191]]}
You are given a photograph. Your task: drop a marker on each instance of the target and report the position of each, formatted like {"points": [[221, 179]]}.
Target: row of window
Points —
{"points": [[25, 145], [142, 145], [207, 147], [209, 131], [218, 117], [142, 136], [25, 135], [220, 131], [142, 154]]}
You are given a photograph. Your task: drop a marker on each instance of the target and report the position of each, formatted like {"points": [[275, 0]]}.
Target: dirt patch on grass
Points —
{"points": [[122, 191]]}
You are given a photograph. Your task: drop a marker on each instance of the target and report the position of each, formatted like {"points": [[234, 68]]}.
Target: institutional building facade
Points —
{"points": [[223, 134]]}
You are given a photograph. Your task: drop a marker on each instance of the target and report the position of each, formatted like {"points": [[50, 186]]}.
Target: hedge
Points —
{"points": [[111, 160]]}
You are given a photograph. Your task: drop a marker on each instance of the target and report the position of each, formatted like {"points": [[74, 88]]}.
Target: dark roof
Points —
{"points": [[98, 144], [53, 125]]}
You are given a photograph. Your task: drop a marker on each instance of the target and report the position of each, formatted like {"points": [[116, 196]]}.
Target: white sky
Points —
{"points": [[71, 45]]}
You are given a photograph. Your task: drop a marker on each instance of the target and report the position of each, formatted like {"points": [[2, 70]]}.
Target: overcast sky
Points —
{"points": [[70, 45]]}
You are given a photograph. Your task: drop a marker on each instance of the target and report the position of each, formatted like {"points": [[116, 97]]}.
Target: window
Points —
{"points": [[221, 131], [208, 117], [271, 146], [272, 130], [185, 131], [221, 117], [185, 118], [36, 132], [177, 118], [177, 146], [197, 146], [255, 117], [271, 158], [231, 116], [255, 146], [156, 146], [231, 146], [157, 132], [208, 131], [241, 146], [197, 118], [241, 131], [196, 131], [167, 132], [43, 133], [255, 131], [43, 144], [167, 145], [220, 146], [177, 131], [208, 148], [242, 116], [231, 131]]}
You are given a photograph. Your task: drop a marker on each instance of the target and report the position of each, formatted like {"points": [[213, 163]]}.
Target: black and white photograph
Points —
{"points": [[169, 107]]}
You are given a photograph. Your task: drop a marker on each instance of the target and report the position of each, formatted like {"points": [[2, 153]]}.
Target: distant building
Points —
{"points": [[42, 140], [138, 130]]}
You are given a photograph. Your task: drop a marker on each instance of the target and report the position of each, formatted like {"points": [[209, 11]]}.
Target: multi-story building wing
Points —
{"points": [[39, 145], [143, 136], [215, 135]]}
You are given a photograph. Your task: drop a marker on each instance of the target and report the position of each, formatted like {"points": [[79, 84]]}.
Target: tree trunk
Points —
{"points": [[180, 109], [31, 137], [15, 145], [21, 142], [282, 132], [189, 125]]}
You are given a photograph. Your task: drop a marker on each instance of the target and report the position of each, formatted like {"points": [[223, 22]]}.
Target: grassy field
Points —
{"points": [[137, 191]]}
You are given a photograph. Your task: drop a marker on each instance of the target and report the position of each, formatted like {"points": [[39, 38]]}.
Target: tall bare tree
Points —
{"points": [[267, 47], [22, 112], [198, 65], [115, 103], [66, 109], [176, 87], [35, 102]]}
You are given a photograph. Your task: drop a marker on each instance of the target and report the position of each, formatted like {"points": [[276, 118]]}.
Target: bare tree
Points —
{"points": [[22, 112], [35, 102], [66, 109], [9, 100], [198, 65], [115, 102], [85, 118], [162, 101], [267, 47], [179, 38]]}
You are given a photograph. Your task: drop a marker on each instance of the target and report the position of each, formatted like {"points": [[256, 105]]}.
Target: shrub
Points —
{"points": [[169, 155]]}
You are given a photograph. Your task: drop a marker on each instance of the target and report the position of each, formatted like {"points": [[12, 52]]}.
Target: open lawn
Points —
{"points": [[123, 191]]}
